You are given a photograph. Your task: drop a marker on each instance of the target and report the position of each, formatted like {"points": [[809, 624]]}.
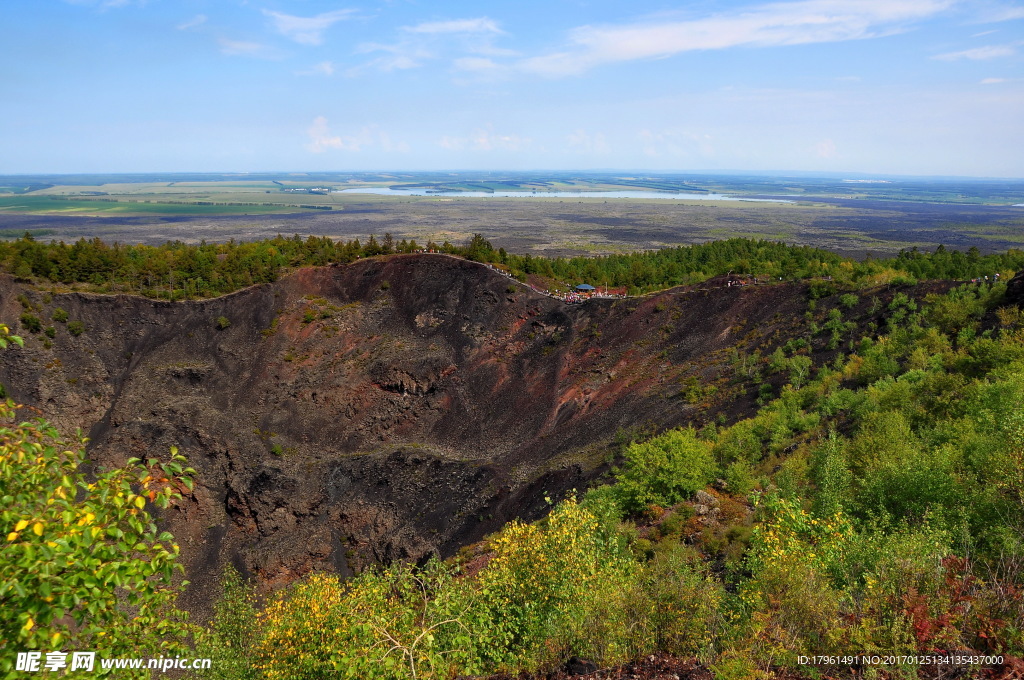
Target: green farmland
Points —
{"points": [[198, 206]]}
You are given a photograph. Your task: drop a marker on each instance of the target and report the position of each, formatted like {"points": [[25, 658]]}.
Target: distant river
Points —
{"points": [[557, 194]]}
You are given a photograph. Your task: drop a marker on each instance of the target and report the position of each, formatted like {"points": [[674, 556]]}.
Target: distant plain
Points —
{"points": [[850, 216]]}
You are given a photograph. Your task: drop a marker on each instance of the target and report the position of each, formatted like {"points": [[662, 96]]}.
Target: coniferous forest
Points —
{"points": [[178, 270]]}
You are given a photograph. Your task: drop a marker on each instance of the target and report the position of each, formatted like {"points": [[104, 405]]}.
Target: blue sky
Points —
{"points": [[927, 87]]}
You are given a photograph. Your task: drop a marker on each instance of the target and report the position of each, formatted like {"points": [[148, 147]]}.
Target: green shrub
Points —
{"points": [[391, 624], [544, 584], [901, 300], [741, 441], [672, 526], [877, 364], [222, 322], [51, 332], [800, 607], [831, 476], [604, 504], [60, 316], [230, 637], [820, 289], [665, 470], [84, 565], [76, 328], [738, 663], [912, 486], [849, 300], [799, 369], [739, 478], [31, 323]]}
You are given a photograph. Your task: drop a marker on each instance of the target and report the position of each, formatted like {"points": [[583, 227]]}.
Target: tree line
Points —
{"points": [[177, 270]]}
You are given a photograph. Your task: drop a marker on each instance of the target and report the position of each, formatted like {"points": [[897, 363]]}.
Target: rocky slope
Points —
{"points": [[392, 408]]}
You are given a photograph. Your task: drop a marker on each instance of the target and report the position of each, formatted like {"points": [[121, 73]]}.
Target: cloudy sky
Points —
{"points": [[931, 87]]}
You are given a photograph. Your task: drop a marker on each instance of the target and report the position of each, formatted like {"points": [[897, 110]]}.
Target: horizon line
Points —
{"points": [[836, 174]]}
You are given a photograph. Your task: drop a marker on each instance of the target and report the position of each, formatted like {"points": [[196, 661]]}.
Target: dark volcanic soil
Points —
{"points": [[382, 410]]}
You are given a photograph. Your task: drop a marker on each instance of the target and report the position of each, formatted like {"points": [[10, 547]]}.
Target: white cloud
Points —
{"points": [[826, 148], [322, 139], [399, 57], [468, 42], [197, 20], [242, 48], [979, 53], [674, 143], [480, 25], [475, 64], [324, 68], [774, 24], [990, 14], [389, 145], [485, 48], [307, 30], [581, 140], [485, 140], [993, 81]]}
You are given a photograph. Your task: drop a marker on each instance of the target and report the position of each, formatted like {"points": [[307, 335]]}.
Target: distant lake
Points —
{"points": [[557, 194]]}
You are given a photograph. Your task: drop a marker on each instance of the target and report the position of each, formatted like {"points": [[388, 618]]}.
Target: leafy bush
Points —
{"points": [[912, 487], [229, 640], [821, 289], [532, 606], [799, 369], [687, 603], [665, 470], [222, 322], [83, 565], [392, 624], [831, 475], [739, 478], [60, 316], [545, 579], [76, 328], [31, 323]]}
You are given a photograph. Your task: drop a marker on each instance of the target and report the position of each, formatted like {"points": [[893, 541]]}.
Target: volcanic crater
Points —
{"points": [[392, 408]]}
